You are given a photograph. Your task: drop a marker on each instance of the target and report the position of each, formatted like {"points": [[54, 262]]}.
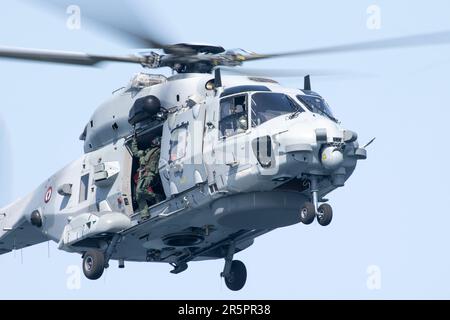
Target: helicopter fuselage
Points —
{"points": [[237, 161]]}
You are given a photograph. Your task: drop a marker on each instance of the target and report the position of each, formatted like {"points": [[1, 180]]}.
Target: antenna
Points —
{"points": [[307, 85], [217, 78]]}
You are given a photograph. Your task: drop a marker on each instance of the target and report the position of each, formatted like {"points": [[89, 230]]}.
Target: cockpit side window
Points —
{"points": [[266, 106], [233, 115]]}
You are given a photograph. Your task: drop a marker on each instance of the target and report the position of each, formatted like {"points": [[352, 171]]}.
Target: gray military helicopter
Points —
{"points": [[240, 156]]}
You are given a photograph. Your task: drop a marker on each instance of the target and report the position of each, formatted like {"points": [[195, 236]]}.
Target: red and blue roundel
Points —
{"points": [[48, 195]]}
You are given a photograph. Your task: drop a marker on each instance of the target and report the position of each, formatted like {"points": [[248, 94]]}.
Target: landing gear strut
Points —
{"points": [[234, 271], [324, 212]]}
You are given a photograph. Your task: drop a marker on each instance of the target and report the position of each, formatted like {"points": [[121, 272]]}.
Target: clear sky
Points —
{"points": [[389, 237]]}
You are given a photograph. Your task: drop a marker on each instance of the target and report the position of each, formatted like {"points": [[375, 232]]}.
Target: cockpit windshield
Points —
{"points": [[318, 105], [266, 106]]}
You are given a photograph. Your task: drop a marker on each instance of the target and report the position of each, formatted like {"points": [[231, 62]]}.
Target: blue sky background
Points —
{"points": [[392, 213]]}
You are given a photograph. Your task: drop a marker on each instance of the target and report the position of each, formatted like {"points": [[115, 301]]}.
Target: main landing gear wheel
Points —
{"points": [[325, 214], [236, 278], [93, 264], [308, 213]]}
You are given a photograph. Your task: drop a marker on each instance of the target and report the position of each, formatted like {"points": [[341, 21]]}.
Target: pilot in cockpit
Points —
{"points": [[239, 113]]}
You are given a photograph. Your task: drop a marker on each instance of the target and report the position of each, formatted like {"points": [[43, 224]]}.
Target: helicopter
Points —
{"points": [[241, 155]]}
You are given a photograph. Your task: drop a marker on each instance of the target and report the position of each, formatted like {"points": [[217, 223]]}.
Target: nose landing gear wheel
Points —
{"points": [[237, 276], [325, 214], [308, 213], [93, 264]]}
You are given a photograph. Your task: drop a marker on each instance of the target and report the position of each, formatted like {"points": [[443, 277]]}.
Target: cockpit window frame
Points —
{"points": [[244, 89]]}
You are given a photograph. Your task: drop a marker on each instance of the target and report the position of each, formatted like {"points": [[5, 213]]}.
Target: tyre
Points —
{"points": [[93, 264], [237, 277], [308, 213], [325, 214]]}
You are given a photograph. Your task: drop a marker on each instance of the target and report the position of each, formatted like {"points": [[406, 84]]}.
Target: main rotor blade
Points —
{"points": [[118, 18], [400, 42], [283, 73], [64, 57]]}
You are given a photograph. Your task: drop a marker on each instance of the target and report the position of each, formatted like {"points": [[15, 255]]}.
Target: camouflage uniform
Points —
{"points": [[148, 170]]}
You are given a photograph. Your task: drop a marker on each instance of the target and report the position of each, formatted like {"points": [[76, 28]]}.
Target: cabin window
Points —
{"points": [[178, 143], [233, 115], [266, 106], [84, 187]]}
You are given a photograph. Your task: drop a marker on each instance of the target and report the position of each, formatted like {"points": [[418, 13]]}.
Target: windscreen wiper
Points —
{"points": [[329, 116], [298, 109]]}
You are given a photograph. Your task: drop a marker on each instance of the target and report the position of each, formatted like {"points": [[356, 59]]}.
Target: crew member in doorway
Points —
{"points": [[146, 175]]}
